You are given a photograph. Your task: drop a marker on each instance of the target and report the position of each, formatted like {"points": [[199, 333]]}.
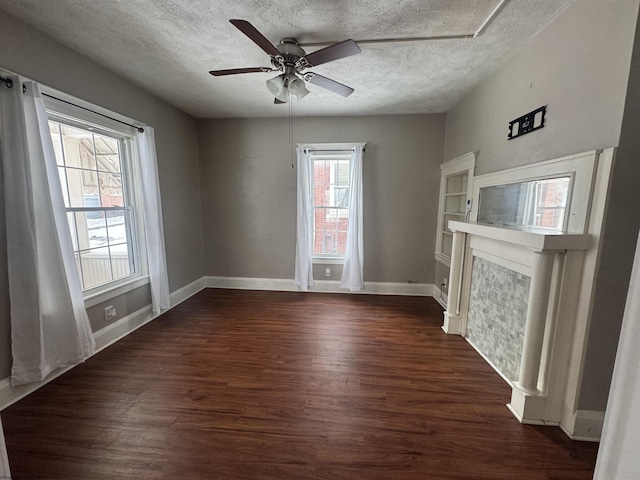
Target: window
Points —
{"points": [[536, 203], [330, 204], [94, 167]]}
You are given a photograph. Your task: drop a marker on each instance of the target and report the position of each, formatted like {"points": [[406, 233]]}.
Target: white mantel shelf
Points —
{"points": [[534, 239]]}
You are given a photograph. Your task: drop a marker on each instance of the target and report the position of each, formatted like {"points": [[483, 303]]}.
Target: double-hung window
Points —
{"points": [[330, 204], [95, 170]]}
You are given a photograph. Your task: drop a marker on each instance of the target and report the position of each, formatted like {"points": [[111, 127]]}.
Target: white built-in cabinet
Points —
{"points": [[456, 177]]}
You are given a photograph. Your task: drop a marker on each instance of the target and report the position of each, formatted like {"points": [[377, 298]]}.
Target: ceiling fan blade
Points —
{"points": [[259, 39], [278, 102], [235, 71], [327, 83], [333, 52]]}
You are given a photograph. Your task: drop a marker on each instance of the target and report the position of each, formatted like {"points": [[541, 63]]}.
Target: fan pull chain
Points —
{"points": [[293, 150]]}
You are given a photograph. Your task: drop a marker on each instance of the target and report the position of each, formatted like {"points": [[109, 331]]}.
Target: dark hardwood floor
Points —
{"points": [[276, 385]]}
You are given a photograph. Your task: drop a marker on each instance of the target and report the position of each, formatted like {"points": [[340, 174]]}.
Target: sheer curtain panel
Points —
{"points": [[352, 272], [4, 460], [304, 266], [49, 324], [152, 211]]}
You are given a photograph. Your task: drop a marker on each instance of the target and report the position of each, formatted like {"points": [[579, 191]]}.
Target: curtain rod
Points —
{"points": [[139, 129], [9, 84], [330, 151]]}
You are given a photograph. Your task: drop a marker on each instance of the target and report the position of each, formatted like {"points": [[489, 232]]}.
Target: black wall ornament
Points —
{"points": [[527, 123]]}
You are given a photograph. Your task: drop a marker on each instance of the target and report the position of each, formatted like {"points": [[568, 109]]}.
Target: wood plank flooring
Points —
{"points": [[286, 385]]}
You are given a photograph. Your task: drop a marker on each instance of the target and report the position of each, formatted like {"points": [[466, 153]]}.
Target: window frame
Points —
{"points": [[78, 117]]}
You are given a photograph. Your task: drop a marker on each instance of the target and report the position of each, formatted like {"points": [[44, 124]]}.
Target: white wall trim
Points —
{"points": [[104, 337], [187, 291], [440, 297], [112, 333], [323, 286], [585, 425]]}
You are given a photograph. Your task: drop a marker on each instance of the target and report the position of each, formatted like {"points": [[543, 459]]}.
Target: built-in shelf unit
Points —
{"points": [[455, 189]]}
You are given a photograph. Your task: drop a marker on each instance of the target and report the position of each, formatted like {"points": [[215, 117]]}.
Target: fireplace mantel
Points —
{"points": [[533, 238], [536, 253]]}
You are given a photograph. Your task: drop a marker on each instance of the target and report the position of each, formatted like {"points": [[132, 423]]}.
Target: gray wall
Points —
{"points": [[618, 247], [36, 56], [249, 193], [579, 66]]}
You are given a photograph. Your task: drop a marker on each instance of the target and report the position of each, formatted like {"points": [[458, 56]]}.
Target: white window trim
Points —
{"points": [[60, 111]]}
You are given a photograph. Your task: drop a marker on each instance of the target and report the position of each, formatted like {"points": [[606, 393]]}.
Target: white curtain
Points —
{"points": [[352, 272], [4, 460], [152, 212], [49, 324], [304, 265], [618, 454]]}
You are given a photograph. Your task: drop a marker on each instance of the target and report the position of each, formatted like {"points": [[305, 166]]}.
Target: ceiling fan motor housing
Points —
{"points": [[291, 54]]}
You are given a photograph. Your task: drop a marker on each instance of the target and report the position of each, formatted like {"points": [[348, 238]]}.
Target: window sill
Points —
{"points": [[327, 260], [445, 260], [93, 299]]}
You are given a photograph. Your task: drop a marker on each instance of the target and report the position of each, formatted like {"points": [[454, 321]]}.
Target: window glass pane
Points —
{"points": [[78, 148], [111, 190], [117, 226], [107, 154], [325, 242], [342, 174], [92, 230], [331, 199], [341, 197], [321, 182], [330, 231], [342, 242], [96, 267], [83, 188], [536, 203], [120, 261]]}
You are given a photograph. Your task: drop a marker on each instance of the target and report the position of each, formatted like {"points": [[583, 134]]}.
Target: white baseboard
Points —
{"points": [[440, 297], [585, 425], [187, 291], [121, 328], [323, 286], [103, 338]]}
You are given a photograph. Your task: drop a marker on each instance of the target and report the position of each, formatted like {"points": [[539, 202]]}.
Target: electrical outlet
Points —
{"points": [[327, 272], [109, 313]]}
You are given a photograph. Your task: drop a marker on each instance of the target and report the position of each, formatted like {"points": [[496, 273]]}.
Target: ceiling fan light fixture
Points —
{"points": [[276, 85], [298, 88]]}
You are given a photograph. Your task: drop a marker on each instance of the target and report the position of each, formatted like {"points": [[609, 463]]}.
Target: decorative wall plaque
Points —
{"points": [[527, 123]]}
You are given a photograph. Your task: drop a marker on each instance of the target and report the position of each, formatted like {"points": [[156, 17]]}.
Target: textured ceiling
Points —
{"points": [[168, 47]]}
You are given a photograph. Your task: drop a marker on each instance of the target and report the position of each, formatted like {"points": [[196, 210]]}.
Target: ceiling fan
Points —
{"points": [[290, 59]]}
